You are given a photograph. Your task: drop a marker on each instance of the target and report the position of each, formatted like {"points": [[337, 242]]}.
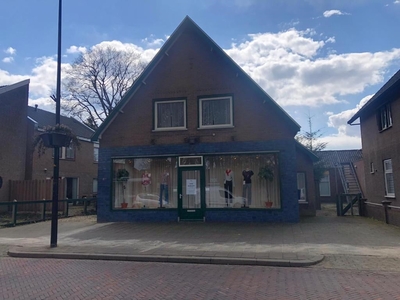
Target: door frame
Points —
{"points": [[192, 213]]}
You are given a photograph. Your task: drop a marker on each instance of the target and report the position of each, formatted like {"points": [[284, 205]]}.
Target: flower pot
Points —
{"points": [[55, 139], [268, 204], [124, 205]]}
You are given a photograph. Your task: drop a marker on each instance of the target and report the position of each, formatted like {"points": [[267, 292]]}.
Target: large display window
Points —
{"points": [[242, 181], [145, 183], [231, 181]]}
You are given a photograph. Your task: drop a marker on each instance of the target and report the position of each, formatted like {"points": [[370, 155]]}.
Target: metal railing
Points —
{"points": [[9, 216]]}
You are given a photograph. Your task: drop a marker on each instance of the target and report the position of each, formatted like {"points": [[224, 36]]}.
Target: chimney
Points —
{"points": [[36, 107]]}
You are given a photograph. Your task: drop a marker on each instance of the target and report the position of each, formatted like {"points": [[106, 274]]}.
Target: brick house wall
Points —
{"points": [[82, 167], [304, 165], [13, 134], [378, 146]]}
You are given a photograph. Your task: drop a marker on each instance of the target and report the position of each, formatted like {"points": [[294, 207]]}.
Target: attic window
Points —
{"points": [[385, 117], [170, 114], [215, 112]]}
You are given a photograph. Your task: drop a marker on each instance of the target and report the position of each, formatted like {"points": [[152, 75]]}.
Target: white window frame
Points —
{"points": [[63, 152], [201, 100], [156, 128], [387, 171], [325, 180], [96, 152], [301, 177], [385, 117]]}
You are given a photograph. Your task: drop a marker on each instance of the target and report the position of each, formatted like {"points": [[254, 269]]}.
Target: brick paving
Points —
{"points": [[353, 243], [68, 279]]}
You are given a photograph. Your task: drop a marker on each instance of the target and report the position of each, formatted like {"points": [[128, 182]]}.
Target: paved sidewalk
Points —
{"points": [[342, 240]]}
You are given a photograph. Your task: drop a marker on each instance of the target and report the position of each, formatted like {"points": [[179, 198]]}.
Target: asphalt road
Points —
{"points": [[70, 279]]}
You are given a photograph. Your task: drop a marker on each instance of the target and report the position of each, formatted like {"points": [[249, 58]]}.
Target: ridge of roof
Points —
{"points": [[45, 118], [391, 84], [187, 21], [7, 88]]}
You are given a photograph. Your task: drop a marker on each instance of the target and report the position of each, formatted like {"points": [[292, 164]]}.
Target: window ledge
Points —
{"points": [[390, 196], [216, 127], [303, 202], [382, 130], [169, 129]]}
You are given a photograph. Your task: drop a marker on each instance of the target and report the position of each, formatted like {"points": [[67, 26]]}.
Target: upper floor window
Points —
{"points": [[67, 152], [389, 182], [95, 152], [215, 112], [385, 117], [170, 114]]}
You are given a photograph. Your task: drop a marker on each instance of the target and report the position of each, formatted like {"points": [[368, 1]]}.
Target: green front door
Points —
{"points": [[191, 200]]}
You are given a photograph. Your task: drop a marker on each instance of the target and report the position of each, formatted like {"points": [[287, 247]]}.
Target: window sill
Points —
{"points": [[390, 196], [216, 127], [382, 130], [303, 202], [169, 129]]}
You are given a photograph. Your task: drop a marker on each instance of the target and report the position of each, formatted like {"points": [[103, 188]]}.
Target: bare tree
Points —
{"points": [[96, 82], [311, 140]]}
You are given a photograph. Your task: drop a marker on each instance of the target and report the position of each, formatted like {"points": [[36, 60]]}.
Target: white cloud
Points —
{"points": [[10, 50], [330, 13], [347, 136], [9, 59], [397, 2], [152, 42], [292, 67], [76, 49]]}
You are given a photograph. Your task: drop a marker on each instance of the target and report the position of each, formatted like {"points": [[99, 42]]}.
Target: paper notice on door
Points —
{"points": [[191, 186]]}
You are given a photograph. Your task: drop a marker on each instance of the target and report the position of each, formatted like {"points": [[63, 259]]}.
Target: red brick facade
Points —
{"points": [[13, 134]]}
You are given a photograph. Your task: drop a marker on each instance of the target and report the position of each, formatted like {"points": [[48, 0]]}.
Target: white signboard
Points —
{"points": [[191, 186]]}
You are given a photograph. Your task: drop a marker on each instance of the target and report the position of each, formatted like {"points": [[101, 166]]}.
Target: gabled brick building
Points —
{"points": [[380, 135], [190, 138]]}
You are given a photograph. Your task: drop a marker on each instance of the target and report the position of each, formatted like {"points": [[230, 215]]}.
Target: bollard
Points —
{"points": [[14, 212], [44, 210], [361, 207], [385, 204]]}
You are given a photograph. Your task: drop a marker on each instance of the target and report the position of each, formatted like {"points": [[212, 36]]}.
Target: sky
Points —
{"points": [[316, 58]]}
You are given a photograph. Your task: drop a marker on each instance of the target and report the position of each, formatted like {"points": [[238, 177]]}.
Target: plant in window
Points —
{"points": [[55, 136], [267, 173], [122, 175]]}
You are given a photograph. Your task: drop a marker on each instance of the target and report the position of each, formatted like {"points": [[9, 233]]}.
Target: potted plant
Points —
{"points": [[59, 135], [123, 176], [267, 173]]}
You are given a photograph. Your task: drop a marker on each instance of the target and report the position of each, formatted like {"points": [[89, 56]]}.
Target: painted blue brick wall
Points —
{"points": [[289, 211]]}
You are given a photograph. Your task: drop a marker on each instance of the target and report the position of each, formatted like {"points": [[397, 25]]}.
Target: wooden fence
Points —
{"points": [[38, 189]]}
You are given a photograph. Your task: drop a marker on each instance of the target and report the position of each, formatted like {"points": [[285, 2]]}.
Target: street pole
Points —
{"points": [[56, 170]]}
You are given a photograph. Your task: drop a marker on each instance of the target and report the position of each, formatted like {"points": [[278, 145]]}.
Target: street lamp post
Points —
{"points": [[56, 170]]}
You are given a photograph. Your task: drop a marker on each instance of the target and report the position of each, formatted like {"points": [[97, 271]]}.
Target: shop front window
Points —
{"points": [[145, 183], [234, 181]]}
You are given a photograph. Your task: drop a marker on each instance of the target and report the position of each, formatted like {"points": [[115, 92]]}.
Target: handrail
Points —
{"points": [[353, 170], [373, 204], [15, 204], [395, 207]]}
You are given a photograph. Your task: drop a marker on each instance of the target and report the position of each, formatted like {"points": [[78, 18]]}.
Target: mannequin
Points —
{"points": [[164, 182], [229, 183], [247, 173]]}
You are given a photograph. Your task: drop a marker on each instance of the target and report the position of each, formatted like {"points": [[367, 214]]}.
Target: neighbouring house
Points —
{"points": [[344, 174], [196, 138], [13, 135], [20, 123], [379, 120]]}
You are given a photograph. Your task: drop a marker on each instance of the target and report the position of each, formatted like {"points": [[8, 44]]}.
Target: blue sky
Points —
{"points": [[314, 57]]}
